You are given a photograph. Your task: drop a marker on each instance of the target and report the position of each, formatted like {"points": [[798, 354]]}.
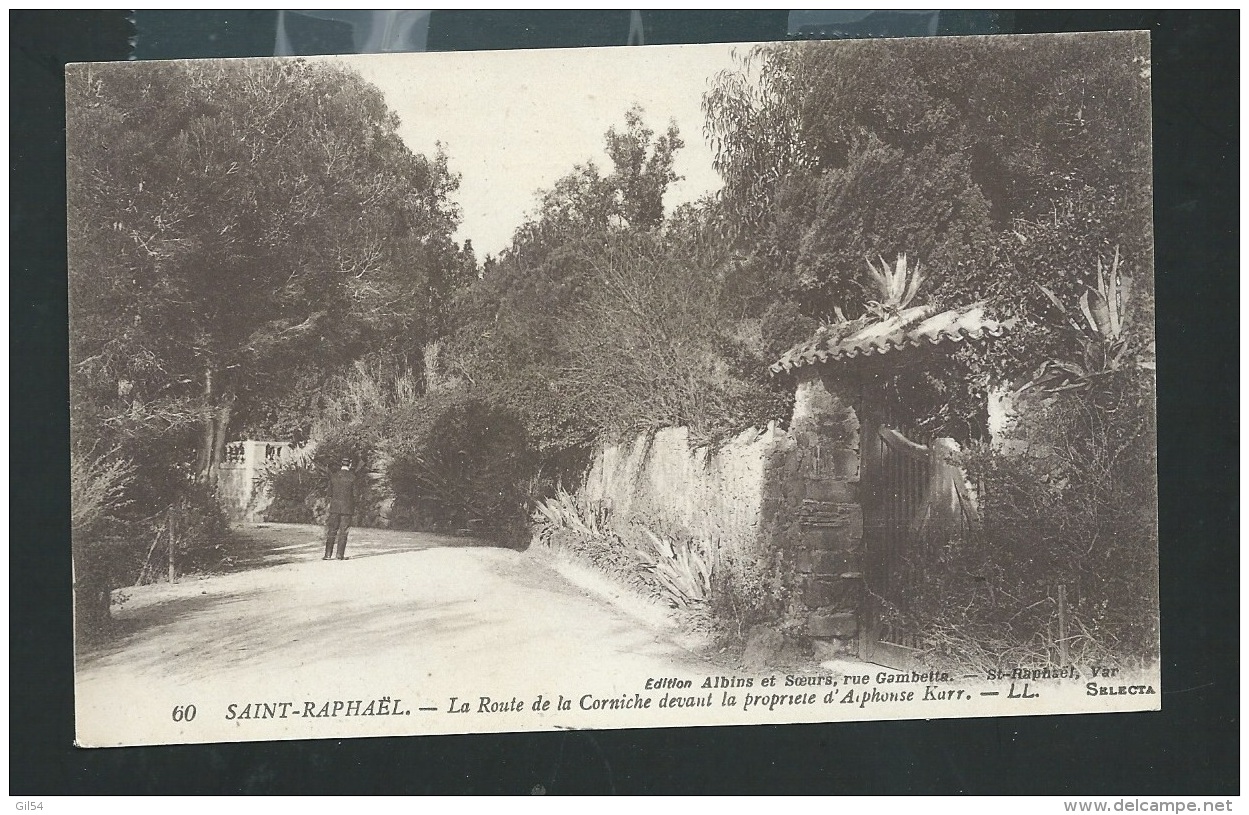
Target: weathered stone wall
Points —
{"points": [[712, 495], [790, 495]]}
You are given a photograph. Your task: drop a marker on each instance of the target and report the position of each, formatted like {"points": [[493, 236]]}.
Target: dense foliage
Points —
{"points": [[461, 461], [239, 231], [996, 165], [1013, 178], [230, 223], [128, 530], [1064, 567], [605, 318]]}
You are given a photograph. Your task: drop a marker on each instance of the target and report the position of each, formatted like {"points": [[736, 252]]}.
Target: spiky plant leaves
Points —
{"points": [[661, 545], [1059, 305], [880, 278], [1104, 343], [1101, 275], [683, 568], [916, 280], [1115, 290], [1097, 311], [1120, 312], [898, 285]]}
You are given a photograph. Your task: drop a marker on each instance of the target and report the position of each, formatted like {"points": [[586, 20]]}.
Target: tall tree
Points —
{"points": [[514, 308], [996, 163], [642, 169], [832, 151], [511, 324], [229, 220]]}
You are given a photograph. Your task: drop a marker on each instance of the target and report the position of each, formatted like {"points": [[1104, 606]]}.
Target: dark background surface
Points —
{"points": [[1191, 747]]}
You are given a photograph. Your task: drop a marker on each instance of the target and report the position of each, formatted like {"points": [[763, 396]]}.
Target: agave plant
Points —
{"points": [[562, 511], [683, 568], [1102, 331], [897, 286]]}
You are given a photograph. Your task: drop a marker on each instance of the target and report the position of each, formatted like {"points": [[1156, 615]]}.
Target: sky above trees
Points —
{"points": [[514, 122]]}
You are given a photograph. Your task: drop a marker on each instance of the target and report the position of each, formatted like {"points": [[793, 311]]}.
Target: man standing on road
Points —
{"points": [[342, 506]]}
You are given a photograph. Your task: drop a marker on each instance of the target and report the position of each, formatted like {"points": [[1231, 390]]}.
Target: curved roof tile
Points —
{"points": [[909, 328]]}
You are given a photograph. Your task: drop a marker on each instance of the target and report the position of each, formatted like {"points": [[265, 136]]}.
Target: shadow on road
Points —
{"points": [[256, 546], [224, 640], [133, 623]]}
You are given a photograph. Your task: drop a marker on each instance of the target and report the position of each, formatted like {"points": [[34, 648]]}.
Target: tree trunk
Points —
{"points": [[216, 427], [221, 433], [204, 465], [173, 545]]}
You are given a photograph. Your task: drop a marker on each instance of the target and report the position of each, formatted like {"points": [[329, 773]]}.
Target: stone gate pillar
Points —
{"points": [[823, 529]]}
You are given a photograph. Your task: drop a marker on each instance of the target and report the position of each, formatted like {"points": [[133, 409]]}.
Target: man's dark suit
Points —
{"points": [[342, 505]]}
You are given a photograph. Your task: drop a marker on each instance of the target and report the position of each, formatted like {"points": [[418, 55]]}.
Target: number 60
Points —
{"points": [[183, 713]]}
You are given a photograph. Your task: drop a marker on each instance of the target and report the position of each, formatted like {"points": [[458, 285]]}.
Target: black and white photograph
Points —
{"points": [[499, 391]]}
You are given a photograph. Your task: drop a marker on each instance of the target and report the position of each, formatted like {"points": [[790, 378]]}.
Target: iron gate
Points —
{"points": [[917, 499]]}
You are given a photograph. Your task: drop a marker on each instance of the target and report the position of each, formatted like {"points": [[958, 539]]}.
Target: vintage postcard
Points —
{"points": [[612, 388]]}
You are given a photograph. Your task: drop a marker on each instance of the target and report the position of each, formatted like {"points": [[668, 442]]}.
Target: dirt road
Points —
{"points": [[410, 614]]}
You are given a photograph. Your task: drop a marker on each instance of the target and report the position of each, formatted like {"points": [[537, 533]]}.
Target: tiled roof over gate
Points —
{"points": [[910, 328]]}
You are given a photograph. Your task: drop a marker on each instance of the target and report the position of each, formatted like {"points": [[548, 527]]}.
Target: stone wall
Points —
{"points": [[788, 498], [712, 495], [790, 495]]}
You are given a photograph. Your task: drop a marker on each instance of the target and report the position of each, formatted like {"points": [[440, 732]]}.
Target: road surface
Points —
{"points": [[409, 614]]}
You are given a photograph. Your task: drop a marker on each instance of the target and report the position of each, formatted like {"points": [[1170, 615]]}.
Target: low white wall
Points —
{"points": [[717, 496], [239, 478]]}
